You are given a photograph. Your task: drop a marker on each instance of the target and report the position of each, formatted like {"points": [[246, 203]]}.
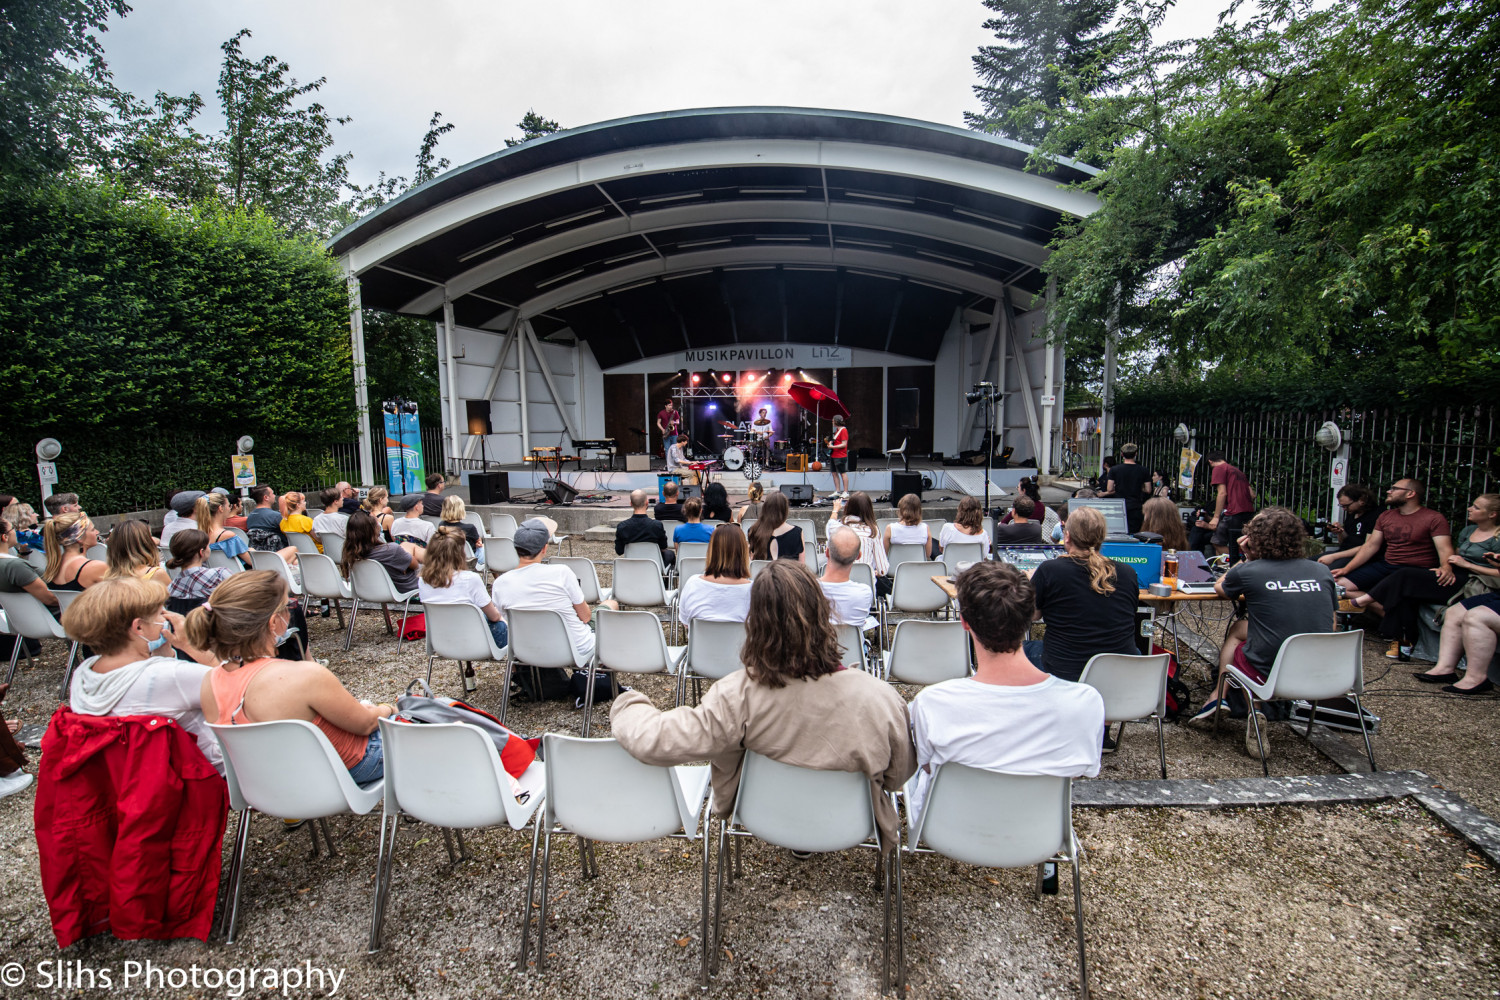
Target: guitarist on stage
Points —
{"points": [[839, 457]]}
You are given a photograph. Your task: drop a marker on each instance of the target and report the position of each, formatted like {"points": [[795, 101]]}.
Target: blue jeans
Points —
{"points": [[371, 766], [498, 630], [1033, 650]]}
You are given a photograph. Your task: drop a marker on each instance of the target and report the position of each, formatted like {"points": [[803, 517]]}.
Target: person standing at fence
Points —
{"points": [[1233, 502], [1130, 482]]}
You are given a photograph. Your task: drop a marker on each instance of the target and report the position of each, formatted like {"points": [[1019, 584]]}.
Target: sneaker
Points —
{"points": [[1265, 736], [1398, 651], [1207, 711], [14, 782], [1348, 607], [293, 824]]}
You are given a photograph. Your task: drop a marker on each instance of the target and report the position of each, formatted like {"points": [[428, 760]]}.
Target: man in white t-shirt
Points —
{"points": [[537, 586], [331, 521], [850, 602], [410, 525], [1009, 716]]}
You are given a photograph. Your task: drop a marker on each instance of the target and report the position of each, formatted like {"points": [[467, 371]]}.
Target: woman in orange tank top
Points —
{"points": [[240, 624]]}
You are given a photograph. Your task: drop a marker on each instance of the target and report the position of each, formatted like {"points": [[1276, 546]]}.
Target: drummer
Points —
{"points": [[760, 433]]}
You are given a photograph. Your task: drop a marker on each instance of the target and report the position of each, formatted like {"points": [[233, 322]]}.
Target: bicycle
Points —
{"points": [[1071, 461]]}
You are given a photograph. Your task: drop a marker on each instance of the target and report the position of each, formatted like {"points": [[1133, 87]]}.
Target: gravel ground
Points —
{"points": [[1338, 902]]}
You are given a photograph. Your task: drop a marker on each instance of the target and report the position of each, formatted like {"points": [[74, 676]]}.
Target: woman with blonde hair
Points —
{"points": [[1087, 601], [294, 519], [239, 626], [967, 526], [131, 551], [1161, 516], [911, 530], [751, 509], [134, 672], [377, 504], [211, 511], [447, 579], [453, 517], [721, 593], [771, 537], [68, 537]]}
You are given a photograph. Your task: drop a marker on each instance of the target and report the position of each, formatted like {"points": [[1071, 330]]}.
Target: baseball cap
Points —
{"points": [[183, 502], [533, 534]]}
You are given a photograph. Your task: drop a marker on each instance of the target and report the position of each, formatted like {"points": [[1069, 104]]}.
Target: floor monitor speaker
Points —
{"points": [[489, 487], [558, 491], [797, 493], [903, 483]]}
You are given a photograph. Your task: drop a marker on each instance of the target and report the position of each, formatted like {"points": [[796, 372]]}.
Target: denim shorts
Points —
{"points": [[371, 766]]}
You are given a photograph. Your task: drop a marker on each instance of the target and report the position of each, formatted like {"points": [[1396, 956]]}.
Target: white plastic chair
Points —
{"points": [[957, 552], [746, 524], [851, 646], [37, 560], [459, 632], [637, 584], [881, 523], [333, 547], [502, 526], [689, 567], [1133, 687], [476, 519], [218, 560], [448, 775], [28, 618], [924, 652], [998, 820], [864, 573], [302, 542], [806, 810], [690, 550], [539, 639], [1311, 666], [371, 584], [500, 554], [907, 552], [588, 576], [431, 519], [646, 550], [628, 642], [97, 551], [599, 792], [321, 579], [891, 454], [240, 532], [912, 589], [285, 769], [713, 651], [756, 565], [272, 561]]}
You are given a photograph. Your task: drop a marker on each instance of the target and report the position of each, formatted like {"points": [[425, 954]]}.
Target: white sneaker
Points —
{"points": [[14, 782]]}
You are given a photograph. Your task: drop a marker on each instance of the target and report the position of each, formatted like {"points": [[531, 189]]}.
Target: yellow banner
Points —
{"points": [[1185, 468]]}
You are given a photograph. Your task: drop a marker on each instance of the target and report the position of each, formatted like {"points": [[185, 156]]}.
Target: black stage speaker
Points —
{"points": [[558, 491], [903, 483], [489, 487], [797, 493], [479, 416], [688, 490], [905, 403]]}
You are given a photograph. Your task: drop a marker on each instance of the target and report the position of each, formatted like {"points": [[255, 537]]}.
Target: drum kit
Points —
{"points": [[745, 450]]}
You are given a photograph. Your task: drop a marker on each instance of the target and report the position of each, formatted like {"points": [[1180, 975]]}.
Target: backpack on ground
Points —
{"points": [[516, 752], [555, 685], [1179, 695]]}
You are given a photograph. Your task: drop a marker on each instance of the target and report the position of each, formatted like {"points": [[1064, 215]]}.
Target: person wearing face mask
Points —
{"points": [[134, 670]]}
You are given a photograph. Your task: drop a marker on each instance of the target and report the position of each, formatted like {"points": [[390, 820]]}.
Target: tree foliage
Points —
{"points": [[533, 126], [1305, 186]]}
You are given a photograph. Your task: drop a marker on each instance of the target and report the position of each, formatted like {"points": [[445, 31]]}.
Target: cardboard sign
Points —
{"points": [[244, 471]]}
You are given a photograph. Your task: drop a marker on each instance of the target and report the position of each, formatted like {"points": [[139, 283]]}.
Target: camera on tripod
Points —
{"points": [[982, 391]]}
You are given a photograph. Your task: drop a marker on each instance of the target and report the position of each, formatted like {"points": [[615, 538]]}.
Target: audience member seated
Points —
{"points": [[967, 526], [1469, 630], [362, 541], [1087, 601], [858, 515], [28, 527], [134, 670], [1061, 512], [454, 513], [1285, 594], [446, 579], [237, 510], [263, 523], [1360, 514], [180, 515], [238, 627], [195, 581], [911, 530], [62, 503], [848, 600], [793, 702], [1160, 516], [1407, 534], [432, 500], [751, 510], [670, 508], [16, 574], [639, 527], [131, 551], [694, 530], [1009, 716], [1022, 529], [1161, 486], [331, 521], [537, 586], [716, 503], [721, 593], [1040, 511], [410, 527], [771, 537], [377, 504], [211, 512], [1399, 594], [294, 519], [68, 537], [348, 498]]}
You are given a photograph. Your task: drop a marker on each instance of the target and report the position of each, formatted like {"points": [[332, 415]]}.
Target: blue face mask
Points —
{"points": [[152, 645]]}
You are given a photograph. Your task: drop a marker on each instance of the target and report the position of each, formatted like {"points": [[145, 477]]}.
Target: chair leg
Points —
{"points": [[430, 658], [67, 670], [241, 848], [703, 942], [15, 655], [713, 965], [353, 614], [1312, 712], [463, 850], [448, 843], [588, 694], [541, 922], [885, 946], [1365, 732], [401, 636], [900, 928], [382, 880], [505, 700], [739, 859], [1260, 743], [1161, 746], [536, 835], [1083, 966], [338, 606]]}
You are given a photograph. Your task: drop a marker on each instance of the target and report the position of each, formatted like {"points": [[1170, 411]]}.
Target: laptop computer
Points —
{"points": [[1113, 509], [1027, 558], [1192, 567]]}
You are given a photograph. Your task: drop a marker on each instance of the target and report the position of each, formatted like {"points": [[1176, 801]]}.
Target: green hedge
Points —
{"points": [[148, 338]]}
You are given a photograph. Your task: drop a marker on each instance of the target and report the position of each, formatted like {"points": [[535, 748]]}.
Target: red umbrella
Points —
{"points": [[817, 399]]}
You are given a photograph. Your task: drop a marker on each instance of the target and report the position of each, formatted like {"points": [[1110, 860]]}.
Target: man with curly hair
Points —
{"points": [[1285, 594]]}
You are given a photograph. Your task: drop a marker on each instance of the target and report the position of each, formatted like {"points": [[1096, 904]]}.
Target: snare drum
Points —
{"points": [[733, 458]]}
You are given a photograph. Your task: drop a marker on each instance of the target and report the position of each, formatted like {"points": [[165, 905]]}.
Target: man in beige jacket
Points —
{"points": [[793, 703]]}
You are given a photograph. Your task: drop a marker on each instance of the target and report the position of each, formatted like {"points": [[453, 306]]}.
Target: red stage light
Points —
{"points": [[728, 378], [695, 378]]}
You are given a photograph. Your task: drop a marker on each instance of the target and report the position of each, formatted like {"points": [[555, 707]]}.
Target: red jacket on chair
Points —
{"points": [[130, 820]]}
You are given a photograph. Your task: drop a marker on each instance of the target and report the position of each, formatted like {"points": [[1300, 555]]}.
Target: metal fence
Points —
{"points": [[346, 456], [1451, 449]]}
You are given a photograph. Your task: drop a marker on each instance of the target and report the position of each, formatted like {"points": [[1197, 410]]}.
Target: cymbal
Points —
{"points": [[727, 423], [726, 435]]}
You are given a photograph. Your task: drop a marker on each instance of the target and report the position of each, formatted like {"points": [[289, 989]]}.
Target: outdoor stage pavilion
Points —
{"points": [[871, 254]]}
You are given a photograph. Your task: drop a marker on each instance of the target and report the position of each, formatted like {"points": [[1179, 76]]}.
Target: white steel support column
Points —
{"points": [[489, 388], [541, 362], [984, 373], [450, 341], [361, 383], [525, 416], [1111, 371], [885, 405], [1049, 372], [1023, 375]]}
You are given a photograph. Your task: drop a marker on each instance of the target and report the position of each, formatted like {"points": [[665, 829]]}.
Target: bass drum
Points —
{"points": [[733, 458]]}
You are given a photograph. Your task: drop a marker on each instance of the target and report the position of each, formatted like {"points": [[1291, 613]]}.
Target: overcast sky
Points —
{"points": [[483, 63]]}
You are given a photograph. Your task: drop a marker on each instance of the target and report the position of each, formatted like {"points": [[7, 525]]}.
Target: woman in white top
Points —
{"points": [[968, 526], [721, 593], [911, 530], [445, 580], [125, 621], [858, 515]]}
